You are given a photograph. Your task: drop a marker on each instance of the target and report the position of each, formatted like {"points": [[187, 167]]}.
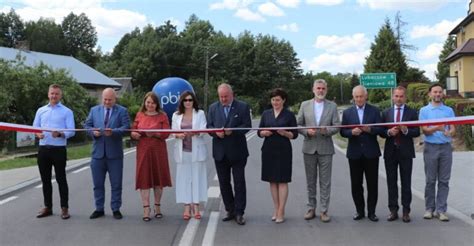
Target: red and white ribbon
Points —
{"points": [[462, 120]]}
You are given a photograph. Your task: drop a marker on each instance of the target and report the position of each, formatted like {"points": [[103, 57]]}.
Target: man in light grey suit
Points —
{"points": [[318, 147]]}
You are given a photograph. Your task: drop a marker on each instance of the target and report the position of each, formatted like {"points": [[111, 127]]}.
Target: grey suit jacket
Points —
{"points": [[320, 143]]}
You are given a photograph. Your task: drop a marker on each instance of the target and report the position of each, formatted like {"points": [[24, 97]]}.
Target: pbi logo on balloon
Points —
{"points": [[169, 90], [170, 98]]}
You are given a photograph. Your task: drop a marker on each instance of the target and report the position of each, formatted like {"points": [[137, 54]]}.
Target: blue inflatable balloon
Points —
{"points": [[169, 90]]}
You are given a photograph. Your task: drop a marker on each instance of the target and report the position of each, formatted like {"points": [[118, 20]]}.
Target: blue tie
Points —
{"points": [[226, 111], [107, 116]]}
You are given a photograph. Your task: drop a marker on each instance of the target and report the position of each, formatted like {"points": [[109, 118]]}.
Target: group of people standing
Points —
{"points": [[108, 122]]}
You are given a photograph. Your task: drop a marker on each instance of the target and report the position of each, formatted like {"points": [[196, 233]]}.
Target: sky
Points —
{"points": [[327, 35]]}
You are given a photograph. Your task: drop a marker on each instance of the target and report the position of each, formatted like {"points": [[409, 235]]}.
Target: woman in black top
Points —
{"points": [[276, 150]]}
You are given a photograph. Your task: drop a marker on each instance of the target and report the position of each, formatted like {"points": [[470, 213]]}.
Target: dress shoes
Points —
{"points": [[406, 217], [230, 216], [310, 214], [117, 215], [240, 219], [392, 216], [65, 213], [44, 212], [358, 216], [96, 214], [373, 217]]}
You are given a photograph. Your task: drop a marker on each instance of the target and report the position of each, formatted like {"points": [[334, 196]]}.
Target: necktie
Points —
{"points": [[226, 111], [107, 116], [397, 138]]}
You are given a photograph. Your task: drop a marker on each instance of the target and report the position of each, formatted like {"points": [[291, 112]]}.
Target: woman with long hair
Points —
{"points": [[190, 154], [152, 170]]}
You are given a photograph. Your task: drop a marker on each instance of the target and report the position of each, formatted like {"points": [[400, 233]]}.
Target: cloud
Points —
{"points": [[248, 15], [336, 63], [324, 2], [293, 27], [108, 22], [431, 51], [289, 3], [418, 5], [342, 44], [270, 9], [230, 4], [440, 29]]}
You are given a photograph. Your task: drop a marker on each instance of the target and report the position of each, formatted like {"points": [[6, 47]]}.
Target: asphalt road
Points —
{"points": [[20, 227]]}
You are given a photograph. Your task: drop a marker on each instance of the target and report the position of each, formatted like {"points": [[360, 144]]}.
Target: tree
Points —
{"points": [[415, 75], [11, 29], [385, 56], [80, 37], [45, 36], [443, 68]]}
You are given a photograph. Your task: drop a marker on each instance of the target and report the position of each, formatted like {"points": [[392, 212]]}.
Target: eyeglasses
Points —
{"points": [[188, 100]]}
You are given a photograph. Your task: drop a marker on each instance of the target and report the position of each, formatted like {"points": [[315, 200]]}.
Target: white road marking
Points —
{"points": [[81, 169], [190, 231], [213, 192], [8, 199], [210, 233]]}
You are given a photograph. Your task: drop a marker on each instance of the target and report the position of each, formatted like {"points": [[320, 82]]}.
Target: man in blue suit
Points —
{"points": [[106, 124], [229, 149], [363, 151], [399, 152]]}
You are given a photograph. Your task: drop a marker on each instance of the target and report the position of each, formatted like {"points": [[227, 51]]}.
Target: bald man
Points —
{"points": [[106, 124]]}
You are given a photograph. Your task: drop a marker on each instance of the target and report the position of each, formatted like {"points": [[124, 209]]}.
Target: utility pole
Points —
{"points": [[206, 78]]}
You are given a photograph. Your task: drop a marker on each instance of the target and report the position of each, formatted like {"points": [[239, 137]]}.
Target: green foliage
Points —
{"points": [[466, 130], [132, 101], [415, 105], [378, 95], [443, 68], [382, 105], [45, 36], [11, 29], [80, 37], [25, 90], [415, 75], [418, 92], [386, 54]]}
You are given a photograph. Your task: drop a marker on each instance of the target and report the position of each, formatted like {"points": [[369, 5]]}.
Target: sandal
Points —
{"points": [[158, 215], [146, 218], [197, 214], [187, 216]]}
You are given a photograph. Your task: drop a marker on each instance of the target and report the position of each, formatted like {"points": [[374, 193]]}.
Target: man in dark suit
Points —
{"points": [[399, 153], [363, 151], [106, 124], [229, 149]]}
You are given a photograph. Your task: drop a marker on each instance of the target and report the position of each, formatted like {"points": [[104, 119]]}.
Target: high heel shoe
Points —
{"points": [[158, 215], [187, 216], [146, 218], [197, 213]]}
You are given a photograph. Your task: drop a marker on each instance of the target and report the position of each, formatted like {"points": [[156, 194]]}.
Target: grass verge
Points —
{"points": [[75, 152]]}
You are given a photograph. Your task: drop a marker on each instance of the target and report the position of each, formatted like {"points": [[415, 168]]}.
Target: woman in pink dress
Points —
{"points": [[152, 171]]}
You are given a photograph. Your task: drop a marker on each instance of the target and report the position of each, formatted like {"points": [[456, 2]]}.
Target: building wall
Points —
{"points": [[463, 68], [461, 38]]}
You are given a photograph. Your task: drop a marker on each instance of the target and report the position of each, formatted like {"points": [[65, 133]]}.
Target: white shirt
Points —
{"points": [[318, 111]]}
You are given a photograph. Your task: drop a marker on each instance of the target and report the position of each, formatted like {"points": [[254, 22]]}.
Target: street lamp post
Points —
{"points": [[206, 78]]}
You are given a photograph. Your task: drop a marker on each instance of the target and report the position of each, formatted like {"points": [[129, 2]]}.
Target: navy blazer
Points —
{"points": [[234, 146], [364, 145], [107, 147], [406, 147]]}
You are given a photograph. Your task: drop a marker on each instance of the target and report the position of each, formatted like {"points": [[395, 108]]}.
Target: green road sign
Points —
{"points": [[378, 80]]}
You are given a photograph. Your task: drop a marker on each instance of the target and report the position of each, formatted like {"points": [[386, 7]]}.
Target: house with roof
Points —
{"points": [[461, 60], [92, 80]]}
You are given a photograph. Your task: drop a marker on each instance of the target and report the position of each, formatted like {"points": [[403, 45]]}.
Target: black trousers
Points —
{"points": [[392, 165], [234, 201], [48, 157], [370, 168]]}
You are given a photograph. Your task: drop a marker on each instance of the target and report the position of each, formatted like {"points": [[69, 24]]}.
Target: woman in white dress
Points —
{"points": [[190, 154]]}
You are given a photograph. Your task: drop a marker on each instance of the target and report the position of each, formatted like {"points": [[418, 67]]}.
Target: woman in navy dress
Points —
{"points": [[277, 151]]}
